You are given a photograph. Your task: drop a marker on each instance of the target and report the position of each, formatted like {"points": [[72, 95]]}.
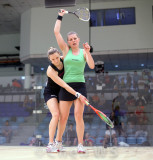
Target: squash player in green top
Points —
{"points": [[74, 67], [74, 64]]}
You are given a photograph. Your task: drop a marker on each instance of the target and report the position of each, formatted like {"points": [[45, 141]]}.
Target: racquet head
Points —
{"points": [[101, 115], [83, 14], [105, 119]]}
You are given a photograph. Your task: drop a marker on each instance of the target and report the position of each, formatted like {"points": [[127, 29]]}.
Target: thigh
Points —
{"points": [[64, 107], [79, 107], [53, 105]]}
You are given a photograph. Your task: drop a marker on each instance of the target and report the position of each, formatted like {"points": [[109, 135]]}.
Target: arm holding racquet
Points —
{"points": [[61, 43]]}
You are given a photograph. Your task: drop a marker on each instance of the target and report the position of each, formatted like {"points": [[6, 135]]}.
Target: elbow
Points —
{"points": [[92, 66], [55, 32]]}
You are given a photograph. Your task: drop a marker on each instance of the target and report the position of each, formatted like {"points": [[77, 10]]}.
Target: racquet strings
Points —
{"points": [[106, 119], [83, 14]]}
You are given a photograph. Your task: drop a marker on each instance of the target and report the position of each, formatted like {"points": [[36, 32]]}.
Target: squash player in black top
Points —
{"points": [[55, 74], [52, 89]]}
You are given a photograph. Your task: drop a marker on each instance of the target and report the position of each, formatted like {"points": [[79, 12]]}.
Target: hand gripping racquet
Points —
{"points": [[101, 115], [82, 13]]}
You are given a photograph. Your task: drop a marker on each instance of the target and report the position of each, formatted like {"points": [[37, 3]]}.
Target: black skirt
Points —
{"points": [[80, 87], [51, 93]]}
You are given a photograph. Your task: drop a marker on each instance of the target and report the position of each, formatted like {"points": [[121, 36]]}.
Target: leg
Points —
{"points": [[78, 112], [54, 109], [75, 141], [9, 136], [114, 139], [106, 138], [64, 108]]}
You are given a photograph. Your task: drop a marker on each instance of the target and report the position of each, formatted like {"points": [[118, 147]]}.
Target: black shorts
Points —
{"points": [[77, 86], [48, 94]]}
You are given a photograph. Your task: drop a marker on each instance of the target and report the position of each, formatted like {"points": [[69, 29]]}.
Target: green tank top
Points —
{"points": [[74, 67]]}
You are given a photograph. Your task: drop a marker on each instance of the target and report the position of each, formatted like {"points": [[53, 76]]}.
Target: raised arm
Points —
{"points": [[61, 43], [88, 56], [53, 75]]}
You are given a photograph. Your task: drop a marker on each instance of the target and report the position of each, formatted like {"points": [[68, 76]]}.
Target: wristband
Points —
{"points": [[59, 17], [77, 94]]}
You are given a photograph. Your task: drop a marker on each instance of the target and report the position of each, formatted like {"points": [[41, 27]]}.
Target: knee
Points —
{"points": [[63, 118], [78, 116], [55, 115]]}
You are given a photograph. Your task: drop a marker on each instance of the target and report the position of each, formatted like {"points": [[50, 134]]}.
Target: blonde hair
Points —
{"points": [[52, 51]]}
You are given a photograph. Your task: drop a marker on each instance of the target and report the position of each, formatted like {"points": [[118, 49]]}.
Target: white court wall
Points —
{"points": [[25, 34], [8, 43], [37, 35], [7, 46], [42, 30], [123, 37], [138, 36]]}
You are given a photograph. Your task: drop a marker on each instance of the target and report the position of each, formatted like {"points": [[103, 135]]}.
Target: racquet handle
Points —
{"points": [[87, 103], [62, 11]]}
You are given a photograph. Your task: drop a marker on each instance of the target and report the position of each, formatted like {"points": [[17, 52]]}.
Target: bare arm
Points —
{"points": [[61, 43], [88, 56], [53, 75]]}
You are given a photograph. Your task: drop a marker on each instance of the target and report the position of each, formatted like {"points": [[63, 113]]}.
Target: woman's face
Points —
{"points": [[55, 58], [73, 40]]}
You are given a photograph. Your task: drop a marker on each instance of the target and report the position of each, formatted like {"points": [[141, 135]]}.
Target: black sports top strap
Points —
{"points": [[54, 67]]}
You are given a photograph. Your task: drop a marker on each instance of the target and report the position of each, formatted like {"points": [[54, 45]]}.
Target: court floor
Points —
{"points": [[93, 153]]}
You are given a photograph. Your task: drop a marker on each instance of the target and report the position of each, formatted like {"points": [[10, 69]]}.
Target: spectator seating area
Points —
{"points": [[96, 129], [132, 81], [14, 123], [125, 98], [14, 109]]}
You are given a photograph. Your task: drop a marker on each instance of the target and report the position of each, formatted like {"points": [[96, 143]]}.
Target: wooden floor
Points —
{"points": [[93, 153]]}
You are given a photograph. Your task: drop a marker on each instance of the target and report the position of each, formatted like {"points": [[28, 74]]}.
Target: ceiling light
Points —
{"points": [[42, 69], [116, 66], [23, 77]]}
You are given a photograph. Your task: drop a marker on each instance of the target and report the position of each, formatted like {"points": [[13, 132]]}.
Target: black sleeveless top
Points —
{"points": [[51, 85]]}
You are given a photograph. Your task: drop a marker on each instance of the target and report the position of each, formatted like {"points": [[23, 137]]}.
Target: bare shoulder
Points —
{"points": [[50, 71], [49, 68]]}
